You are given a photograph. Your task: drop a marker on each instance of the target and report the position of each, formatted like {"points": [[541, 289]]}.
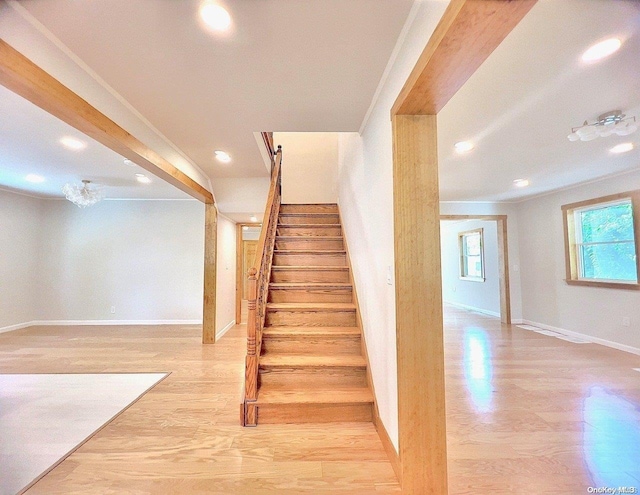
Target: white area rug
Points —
{"points": [[45, 417]]}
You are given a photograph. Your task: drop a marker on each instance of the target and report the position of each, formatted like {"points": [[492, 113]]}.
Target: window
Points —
{"points": [[471, 255], [601, 241]]}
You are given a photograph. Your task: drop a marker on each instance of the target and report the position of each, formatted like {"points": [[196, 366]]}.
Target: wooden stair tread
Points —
{"points": [[308, 214], [310, 268], [310, 331], [312, 306], [313, 396], [307, 225], [312, 361], [310, 285], [309, 251]]}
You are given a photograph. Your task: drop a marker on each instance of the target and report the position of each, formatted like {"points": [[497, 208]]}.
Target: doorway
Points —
{"points": [[474, 261], [247, 236]]}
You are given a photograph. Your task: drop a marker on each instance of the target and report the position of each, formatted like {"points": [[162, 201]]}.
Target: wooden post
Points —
{"points": [[419, 323], [210, 255], [251, 363]]}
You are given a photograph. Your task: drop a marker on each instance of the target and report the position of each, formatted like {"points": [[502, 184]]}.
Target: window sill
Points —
{"points": [[473, 279], [605, 285]]}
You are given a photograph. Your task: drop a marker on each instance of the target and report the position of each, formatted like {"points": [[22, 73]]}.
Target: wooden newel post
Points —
{"points": [[251, 363]]}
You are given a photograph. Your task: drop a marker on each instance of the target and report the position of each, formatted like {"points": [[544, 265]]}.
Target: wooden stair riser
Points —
{"points": [[319, 345], [318, 230], [314, 413], [302, 218], [311, 208], [310, 378], [319, 318], [310, 295], [309, 243], [301, 275], [311, 259]]}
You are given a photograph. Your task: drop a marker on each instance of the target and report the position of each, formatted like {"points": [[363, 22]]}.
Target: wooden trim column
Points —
{"points": [[210, 257], [419, 321]]}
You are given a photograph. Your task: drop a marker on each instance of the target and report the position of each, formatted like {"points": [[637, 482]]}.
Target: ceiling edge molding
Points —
{"points": [[391, 62], [42, 29]]}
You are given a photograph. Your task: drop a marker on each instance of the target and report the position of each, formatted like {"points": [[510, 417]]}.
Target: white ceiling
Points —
{"points": [[288, 65], [519, 107], [29, 144]]}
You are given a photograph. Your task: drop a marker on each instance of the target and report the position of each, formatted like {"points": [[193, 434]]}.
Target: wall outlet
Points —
{"points": [[389, 275], [626, 321], [113, 310]]}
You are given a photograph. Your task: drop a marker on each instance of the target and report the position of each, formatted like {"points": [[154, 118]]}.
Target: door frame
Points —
{"points": [[503, 259], [239, 274]]}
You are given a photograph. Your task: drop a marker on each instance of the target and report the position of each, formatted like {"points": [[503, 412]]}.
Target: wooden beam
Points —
{"points": [[419, 322], [210, 258], [23, 77], [469, 31]]}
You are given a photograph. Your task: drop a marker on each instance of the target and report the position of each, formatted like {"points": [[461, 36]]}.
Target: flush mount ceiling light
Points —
{"points": [[35, 178], [521, 182], [87, 194], [215, 16], [72, 143], [601, 50], [143, 178], [245, 228], [622, 148], [614, 122], [463, 147], [222, 156], [253, 218]]}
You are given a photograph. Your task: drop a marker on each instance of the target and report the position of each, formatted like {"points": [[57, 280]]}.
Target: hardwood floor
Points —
{"points": [[526, 413], [184, 435], [529, 413]]}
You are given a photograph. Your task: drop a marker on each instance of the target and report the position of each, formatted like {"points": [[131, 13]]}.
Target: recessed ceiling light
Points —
{"points": [[601, 50], [222, 156], [521, 182], [253, 218], [463, 146], [142, 178], [128, 162], [72, 143], [622, 148], [245, 228], [215, 16], [34, 178]]}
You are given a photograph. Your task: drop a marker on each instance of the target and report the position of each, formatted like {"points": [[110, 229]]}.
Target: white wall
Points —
{"points": [[60, 263], [309, 166], [480, 296], [365, 195], [225, 275], [547, 299], [20, 222]]}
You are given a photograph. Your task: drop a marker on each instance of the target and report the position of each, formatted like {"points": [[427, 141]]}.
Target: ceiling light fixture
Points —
{"points": [[463, 147], [245, 228], [128, 162], [72, 143], [521, 182], [613, 122], [87, 194], [143, 178], [215, 16], [622, 148], [253, 218], [222, 156], [601, 50], [35, 178]]}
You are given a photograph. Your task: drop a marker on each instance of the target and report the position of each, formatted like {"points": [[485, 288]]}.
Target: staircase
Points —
{"points": [[311, 366]]}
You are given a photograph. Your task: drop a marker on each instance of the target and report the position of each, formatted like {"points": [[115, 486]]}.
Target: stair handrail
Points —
{"points": [[259, 275]]}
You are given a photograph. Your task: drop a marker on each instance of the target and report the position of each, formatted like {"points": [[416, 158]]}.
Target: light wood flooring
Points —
{"points": [[526, 414]]}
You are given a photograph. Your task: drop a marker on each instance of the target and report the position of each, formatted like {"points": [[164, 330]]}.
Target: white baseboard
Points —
{"points": [[473, 308], [590, 338], [229, 325], [48, 323]]}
